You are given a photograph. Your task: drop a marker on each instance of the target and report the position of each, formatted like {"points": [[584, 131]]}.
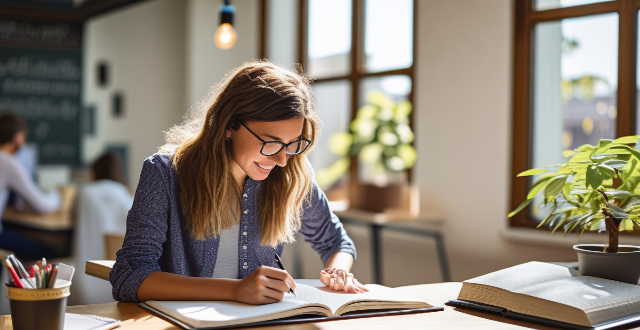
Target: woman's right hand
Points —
{"points": [[265, 285]]}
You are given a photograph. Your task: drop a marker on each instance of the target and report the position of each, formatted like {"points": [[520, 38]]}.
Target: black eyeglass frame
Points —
{"points": [[282, 145]]}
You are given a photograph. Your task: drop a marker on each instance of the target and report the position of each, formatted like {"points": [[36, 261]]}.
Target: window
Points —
{"points": [[352, 47], [574, 83]]}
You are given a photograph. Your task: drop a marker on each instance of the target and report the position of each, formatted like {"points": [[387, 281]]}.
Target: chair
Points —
{"points": [[112, 242]]}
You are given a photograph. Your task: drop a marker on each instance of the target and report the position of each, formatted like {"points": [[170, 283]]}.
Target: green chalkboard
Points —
{"points": [[40, 80]]}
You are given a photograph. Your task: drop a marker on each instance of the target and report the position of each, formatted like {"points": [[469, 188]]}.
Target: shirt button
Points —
{"points": [[246, 211], [245, 263], [245, 195], [244, 247], [244, 233], [245, 267]]}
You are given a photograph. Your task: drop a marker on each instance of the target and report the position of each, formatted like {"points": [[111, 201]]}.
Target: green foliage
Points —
{"points": [[379, 135], [582, 191]]}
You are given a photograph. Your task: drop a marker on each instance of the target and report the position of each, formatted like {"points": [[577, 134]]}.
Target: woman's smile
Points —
{"points": [[264, 168]]}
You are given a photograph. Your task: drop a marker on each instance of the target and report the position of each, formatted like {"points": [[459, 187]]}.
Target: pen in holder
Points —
{"points": [[38, 297], [38, 308]]}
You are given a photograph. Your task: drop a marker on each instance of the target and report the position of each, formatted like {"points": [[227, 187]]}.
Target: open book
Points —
{"points": [[314, 298], [555, 294]]}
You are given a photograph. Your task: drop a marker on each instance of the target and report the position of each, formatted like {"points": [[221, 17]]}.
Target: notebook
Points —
{"points": [[554, 294], [314, 302], [88, 322]]}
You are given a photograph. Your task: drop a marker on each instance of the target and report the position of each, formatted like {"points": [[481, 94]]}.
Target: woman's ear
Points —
{"points": [[228, 134]]}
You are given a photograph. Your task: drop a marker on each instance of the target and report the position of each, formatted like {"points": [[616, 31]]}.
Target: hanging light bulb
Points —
{"points": [[225, 36]]}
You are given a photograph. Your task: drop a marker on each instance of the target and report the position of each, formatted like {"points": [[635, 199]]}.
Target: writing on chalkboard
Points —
{"points": [[40, 80]]}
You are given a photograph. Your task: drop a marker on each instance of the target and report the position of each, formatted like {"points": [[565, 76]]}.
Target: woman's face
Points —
{"points": [[246, 147]]}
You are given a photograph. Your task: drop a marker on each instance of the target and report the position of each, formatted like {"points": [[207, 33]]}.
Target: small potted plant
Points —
{"points": [[597, 189], [381, 139]]}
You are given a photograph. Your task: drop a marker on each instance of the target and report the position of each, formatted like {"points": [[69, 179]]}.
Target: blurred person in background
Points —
{"points": [[101, 207], [14, 177]]}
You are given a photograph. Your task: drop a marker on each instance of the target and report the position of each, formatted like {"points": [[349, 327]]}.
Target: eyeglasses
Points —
{"points": [[270, 148]]}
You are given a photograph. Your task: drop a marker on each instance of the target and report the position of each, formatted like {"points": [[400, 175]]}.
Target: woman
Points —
{"points": [[208, 219]]}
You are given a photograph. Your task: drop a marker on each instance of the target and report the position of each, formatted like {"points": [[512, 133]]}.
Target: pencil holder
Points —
{"points": [[38, 308]]}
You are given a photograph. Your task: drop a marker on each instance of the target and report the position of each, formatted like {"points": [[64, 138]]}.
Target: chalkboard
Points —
{"points": [[40, 80]]}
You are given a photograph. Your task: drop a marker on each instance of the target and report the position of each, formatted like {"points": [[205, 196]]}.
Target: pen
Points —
{"points": [[16, 278], [53, 276], [19, 269], [279, 262], [38, 277]]}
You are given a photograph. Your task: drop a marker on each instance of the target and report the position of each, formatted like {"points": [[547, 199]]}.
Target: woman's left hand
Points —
{"points": [[341, 280]]}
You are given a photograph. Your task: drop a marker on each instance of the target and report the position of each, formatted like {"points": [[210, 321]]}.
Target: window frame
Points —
{"points": [[525, 18], [357, 71]]}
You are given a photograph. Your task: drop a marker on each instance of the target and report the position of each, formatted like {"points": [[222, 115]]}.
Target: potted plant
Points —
{"points": [[597, 189], [381, 139]]}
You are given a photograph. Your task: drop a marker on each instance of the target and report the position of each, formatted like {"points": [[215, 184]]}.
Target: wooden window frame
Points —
{"points": [[357, 71], [525, 19]]}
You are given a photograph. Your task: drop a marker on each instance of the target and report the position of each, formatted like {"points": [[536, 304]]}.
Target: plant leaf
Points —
{"points": [[602, 156], [606, 171], [522, 206], [566, 209], [617, 211], [581, 156], [631, 177], [615, 163], [539, 185], [626, 225], [555, 186], [594, 177], [618, 194], [533, 171], [627, 139], [633, 151]]}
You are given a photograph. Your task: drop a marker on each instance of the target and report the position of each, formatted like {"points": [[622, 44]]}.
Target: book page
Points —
{"points": [[378, 296], [219, 313], [88, 322], [527, 274], [584, 292]]}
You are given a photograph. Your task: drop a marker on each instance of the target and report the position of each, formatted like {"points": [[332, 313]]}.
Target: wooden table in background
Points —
{"points": [[423, 224], [54, 230], [136, 318]]}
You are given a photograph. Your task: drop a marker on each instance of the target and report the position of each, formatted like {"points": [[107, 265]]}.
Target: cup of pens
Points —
{"points": [[37, 297]]}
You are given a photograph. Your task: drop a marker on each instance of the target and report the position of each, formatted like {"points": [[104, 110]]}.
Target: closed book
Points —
{"points": [[554, 294], [99, 268]]}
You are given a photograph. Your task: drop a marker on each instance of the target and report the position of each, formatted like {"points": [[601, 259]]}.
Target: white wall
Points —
{"points": [[144, 46], [206, 64], [463, 110]]}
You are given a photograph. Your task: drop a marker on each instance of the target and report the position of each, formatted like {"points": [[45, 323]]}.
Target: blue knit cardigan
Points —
{"points": [[158, 239]]}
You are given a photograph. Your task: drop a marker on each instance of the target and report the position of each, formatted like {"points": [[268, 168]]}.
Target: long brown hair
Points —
{"points": [[255, 91]]}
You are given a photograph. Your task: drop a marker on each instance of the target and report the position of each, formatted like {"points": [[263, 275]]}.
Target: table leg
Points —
{"points": [[444, 264], [376, 247]]}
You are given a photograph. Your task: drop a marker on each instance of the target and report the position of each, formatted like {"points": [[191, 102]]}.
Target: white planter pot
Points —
{"points": [[623, 266]]}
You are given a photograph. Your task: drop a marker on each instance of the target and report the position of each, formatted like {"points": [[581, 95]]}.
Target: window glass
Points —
{"points": [[329, 38], [388, 34], [333, 104], [575, 76]]}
